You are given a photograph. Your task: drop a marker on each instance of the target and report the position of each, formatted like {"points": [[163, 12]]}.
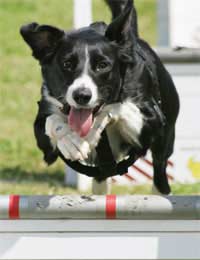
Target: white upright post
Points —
{"points": [[82, 13], [185, 32], [185, 23], [163, 23], [82, 17]]}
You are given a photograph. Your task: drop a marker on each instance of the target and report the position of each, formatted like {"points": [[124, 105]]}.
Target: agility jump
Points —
{"points": [[99, 227]]}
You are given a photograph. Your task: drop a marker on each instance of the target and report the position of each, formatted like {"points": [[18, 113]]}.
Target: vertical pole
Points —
{"points": [[82, 13], [184, 23], [82, 17], [163, 23]]}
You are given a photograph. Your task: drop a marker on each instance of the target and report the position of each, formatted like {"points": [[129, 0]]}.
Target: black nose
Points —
{"points": [[82, 95]]}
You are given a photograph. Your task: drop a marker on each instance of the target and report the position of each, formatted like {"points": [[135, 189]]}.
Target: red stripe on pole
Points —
{"points": [[170, 163], [14, 206], [111, 206], [142, 172], [170, 177], [128, 176], [147, 161]]}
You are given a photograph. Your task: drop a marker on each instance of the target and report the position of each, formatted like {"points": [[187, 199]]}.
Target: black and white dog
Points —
{"points": [[103, 80]]}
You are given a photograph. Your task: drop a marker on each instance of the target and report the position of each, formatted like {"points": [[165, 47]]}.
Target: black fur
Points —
{"points": [[117, 8], [128, 58]]}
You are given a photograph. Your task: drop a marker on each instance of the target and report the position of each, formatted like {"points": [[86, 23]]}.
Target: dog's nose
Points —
{"points": [[82, 95]]}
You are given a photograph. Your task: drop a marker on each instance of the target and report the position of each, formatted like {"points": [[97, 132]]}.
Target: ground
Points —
{"points": [[21, 167]]}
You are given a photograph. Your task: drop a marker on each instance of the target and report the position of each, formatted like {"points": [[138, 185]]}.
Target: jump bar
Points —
{"points": [[100, 207], [178, 56]]}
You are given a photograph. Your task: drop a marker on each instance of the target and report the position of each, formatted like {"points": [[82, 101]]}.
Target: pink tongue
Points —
{"points": [[80, 120]]}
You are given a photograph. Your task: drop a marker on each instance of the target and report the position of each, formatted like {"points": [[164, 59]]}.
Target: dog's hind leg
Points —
{"points": [[161, 149]]}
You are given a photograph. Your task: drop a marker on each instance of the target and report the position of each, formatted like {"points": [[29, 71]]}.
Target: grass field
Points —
{"points": [[21, 167]]}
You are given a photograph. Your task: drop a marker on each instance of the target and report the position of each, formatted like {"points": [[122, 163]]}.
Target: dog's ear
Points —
{"points": [[99, 27], [43, 39], [120, 30]]}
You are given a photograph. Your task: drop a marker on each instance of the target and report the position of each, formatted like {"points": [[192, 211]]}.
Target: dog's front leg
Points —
{"points": [[127, 117], [68, 142], [131, 122], [107, 115]]}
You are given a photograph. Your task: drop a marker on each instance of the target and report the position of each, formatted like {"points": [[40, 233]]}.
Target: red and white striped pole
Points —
{"points": [[99, 207]]}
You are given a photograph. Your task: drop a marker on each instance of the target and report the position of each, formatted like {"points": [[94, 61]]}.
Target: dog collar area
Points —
{"points": [[106, 165]]}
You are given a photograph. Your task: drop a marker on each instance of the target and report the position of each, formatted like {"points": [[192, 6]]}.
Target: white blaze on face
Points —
{"points": [[84, 80], [80, 118]]}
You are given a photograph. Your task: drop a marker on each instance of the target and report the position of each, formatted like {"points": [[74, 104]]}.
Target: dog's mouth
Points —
{"points": [[81, 119]]}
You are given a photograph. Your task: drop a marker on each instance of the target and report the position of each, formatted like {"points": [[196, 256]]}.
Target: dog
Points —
{"points": [[106, 97]]}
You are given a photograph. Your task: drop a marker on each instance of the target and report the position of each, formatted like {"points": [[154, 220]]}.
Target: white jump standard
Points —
{"points": [[99, 227]]}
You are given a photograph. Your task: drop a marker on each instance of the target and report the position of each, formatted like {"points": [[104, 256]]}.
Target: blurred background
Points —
{"points": [[22, 170]]}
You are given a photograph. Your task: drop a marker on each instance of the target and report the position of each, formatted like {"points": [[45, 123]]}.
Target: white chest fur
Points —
{"points": [[125, 132]]}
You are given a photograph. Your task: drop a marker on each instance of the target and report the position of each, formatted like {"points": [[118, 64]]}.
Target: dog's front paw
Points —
{"points": [[73, 147], [100, 123], [108, 114], [68, 142], [113, 111]]}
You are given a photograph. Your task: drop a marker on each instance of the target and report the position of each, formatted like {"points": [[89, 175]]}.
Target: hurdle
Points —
{"points": [[99, 227]]}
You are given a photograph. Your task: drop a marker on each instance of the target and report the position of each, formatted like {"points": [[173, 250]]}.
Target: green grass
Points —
{"points": [[22, 169], [177, 189], [49, 184], [20, 82]]}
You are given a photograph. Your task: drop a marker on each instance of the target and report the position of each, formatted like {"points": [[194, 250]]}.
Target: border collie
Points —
{"points": [[106, 97]]}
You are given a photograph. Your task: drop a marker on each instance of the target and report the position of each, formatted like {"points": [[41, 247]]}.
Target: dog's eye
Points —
{"points": [[102, 65], [68, 65]]}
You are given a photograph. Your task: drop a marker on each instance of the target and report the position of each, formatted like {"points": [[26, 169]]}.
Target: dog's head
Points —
{"points": [[82, 68]]}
